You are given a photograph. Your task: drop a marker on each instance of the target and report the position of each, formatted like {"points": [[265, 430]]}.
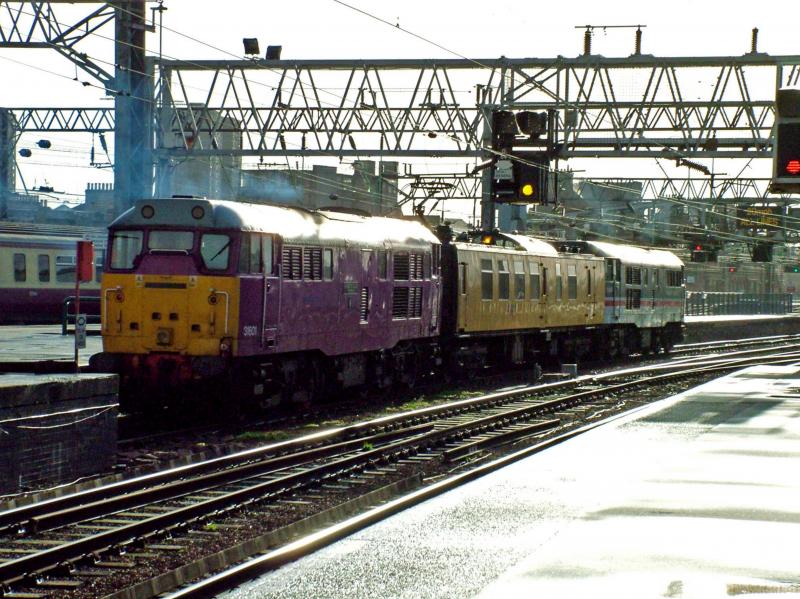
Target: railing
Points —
{"points": [[707, 303], [69, 302]]}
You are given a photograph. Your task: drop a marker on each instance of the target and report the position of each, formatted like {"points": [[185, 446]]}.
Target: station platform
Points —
{"points": [[695, 496], [23, 345], [737, 326], [26, 344]]}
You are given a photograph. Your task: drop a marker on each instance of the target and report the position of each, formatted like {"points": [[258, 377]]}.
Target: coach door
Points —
{"points": [[271, 305], [614, 286]]}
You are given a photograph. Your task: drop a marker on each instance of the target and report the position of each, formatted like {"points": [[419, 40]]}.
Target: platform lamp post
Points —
{"points": [[84, 272]]}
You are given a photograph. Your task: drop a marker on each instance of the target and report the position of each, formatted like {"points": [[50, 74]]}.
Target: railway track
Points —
{"points": [[72, 543]]}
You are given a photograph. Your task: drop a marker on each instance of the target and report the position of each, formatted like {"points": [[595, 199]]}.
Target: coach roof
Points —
{"points": [[629, 254], [292, 224]]}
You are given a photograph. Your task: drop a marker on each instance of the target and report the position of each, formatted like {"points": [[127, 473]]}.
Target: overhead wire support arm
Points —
{"points": [[35, 25]]}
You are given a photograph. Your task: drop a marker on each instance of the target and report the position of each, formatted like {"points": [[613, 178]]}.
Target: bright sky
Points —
{"points": [[329, 29]]}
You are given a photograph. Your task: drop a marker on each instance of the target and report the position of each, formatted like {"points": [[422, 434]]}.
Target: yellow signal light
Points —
{"points": [[526, 190], [486, 240]]}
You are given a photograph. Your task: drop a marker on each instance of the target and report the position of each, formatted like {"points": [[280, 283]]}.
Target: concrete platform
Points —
{"points": [[720, 328], [36, 343], [696, 496]]}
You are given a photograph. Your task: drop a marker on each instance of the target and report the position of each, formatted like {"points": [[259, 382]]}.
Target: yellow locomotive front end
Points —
{"points": [[170, 296]]}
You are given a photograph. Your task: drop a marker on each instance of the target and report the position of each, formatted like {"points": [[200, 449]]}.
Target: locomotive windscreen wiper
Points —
{"points": [[222, 249]]}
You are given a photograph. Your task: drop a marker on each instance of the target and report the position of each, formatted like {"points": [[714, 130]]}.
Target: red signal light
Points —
{"points": [[731, 269], [698, 248], [793, 167]]}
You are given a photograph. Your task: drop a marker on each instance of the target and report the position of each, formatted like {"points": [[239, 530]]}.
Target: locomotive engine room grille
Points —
{"points": [[401, 266], [633, 298], [407, 302], [633, 276], [312, 258], [292, 263], [364, 306]]}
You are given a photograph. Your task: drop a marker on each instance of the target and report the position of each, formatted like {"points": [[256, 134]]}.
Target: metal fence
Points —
{"points": [[68, 310], [704, 303]]}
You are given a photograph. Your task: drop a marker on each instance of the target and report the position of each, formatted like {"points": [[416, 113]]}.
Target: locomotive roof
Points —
{"points": [[292, 224], [629, 254]]}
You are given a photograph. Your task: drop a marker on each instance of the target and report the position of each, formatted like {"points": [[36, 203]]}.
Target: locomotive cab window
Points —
{"points": [[170, 241], [215, 250], [327, 264], [125, 247], [20, 274], [383, 263]]}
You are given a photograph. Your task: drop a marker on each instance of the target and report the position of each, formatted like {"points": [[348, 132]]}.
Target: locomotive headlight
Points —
{"points": [[120, 297], [164, 337], [225, 346], [198, 212], [212, 299], [148, 211]]}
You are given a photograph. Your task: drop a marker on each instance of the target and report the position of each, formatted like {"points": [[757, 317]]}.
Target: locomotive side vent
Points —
{"points": [[415, 303], [364, 307], [292, 263], [312, 257], [401, 266], [400, 302]]}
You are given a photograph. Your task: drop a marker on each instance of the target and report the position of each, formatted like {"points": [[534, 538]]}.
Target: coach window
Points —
{"points": [[572, 282], [503, 280], [462, 277], [20, 274], [65, 269], [125, 247], [519, 279], [534, 275], [44, 268], [559, 283], [487, 279], [215, 250], [426, 266], [99, 260]]}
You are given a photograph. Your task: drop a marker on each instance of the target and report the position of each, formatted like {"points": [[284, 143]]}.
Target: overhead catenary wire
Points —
{"points": [[608, 186]]}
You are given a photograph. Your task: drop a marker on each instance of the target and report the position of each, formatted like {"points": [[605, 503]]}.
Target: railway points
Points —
{"points": [[704, 506]]}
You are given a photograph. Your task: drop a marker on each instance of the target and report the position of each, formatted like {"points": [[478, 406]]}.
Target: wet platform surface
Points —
{"points": [[35, 343], [696, 496]]}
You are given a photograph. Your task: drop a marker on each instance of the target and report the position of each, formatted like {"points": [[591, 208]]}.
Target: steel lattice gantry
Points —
{"points": [[605, 107], [37, 25]]}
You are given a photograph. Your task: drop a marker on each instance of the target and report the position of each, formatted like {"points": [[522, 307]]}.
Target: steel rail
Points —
{"points": [[14, 570]]}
